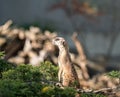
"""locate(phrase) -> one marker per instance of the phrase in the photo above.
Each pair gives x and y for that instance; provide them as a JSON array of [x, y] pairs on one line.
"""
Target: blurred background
[[97, 23]]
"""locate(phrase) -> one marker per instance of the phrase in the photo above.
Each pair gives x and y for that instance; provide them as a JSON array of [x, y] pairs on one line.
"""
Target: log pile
[[34, 46], [26, 46]]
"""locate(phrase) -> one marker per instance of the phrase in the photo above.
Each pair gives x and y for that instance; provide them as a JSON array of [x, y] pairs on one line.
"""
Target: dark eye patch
[[57, 39]]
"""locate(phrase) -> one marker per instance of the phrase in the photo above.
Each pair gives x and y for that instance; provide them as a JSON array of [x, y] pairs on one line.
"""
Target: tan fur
[[67, 74]]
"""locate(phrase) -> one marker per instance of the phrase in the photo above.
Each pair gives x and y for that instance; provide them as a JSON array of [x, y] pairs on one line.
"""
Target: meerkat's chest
[[65, 63]]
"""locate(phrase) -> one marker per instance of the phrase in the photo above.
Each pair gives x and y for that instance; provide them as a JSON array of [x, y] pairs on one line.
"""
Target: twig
[[105, 89]]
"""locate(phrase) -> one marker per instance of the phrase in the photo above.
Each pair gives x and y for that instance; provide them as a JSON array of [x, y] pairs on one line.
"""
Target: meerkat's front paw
[[59, 84]]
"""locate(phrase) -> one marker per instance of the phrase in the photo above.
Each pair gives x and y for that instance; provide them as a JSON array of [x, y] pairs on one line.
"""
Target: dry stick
[[83, 60], [79, 47], [105, 89]]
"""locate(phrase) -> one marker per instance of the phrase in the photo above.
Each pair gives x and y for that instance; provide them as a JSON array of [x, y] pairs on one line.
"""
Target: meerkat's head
[[60, 42]]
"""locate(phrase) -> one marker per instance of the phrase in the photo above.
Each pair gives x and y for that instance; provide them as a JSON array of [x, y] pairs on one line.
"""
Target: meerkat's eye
[[57, 39]]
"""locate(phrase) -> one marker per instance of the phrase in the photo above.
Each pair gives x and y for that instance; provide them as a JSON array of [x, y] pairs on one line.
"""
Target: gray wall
[[97, 31]]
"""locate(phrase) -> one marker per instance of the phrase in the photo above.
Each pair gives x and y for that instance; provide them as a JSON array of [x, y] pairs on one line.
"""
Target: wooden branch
[[79, 47], [105, 89], [83, 60]]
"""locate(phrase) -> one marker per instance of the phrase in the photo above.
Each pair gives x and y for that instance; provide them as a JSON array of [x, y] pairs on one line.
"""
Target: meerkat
[[67, 74]]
